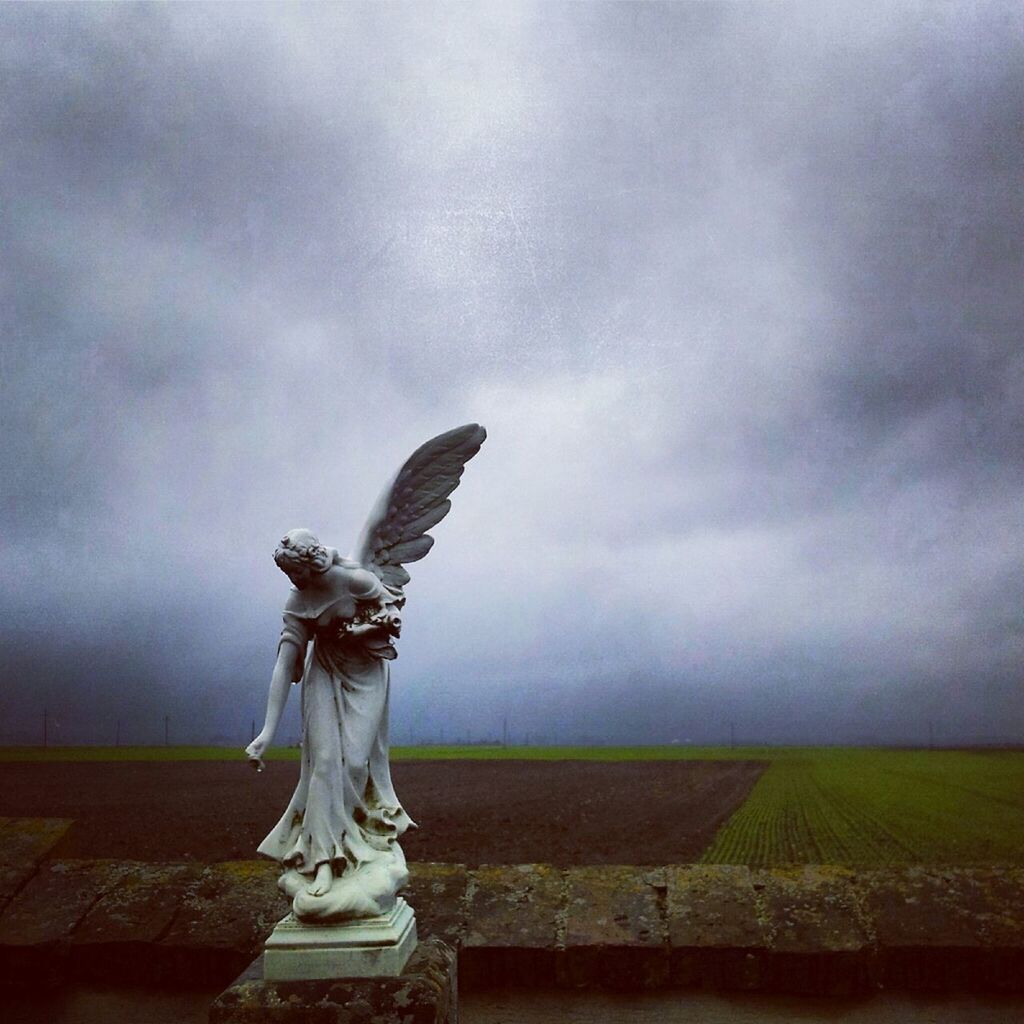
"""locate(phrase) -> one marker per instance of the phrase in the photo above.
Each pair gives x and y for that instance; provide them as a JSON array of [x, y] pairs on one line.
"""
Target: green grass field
[[874, 807], [825, 805]]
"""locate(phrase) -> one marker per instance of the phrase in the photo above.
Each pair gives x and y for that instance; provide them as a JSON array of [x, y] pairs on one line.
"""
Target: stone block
[[716, 935], [1001, 919], [426, 992], [222, 922], [818, 940], [615, 928], [437, 894], [362, 948], [37, 924], [117, 942], [947, 929], [512, 925], [24, 844]]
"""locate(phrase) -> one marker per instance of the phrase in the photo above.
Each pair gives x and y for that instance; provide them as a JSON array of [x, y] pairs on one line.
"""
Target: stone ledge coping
[[814, 929]]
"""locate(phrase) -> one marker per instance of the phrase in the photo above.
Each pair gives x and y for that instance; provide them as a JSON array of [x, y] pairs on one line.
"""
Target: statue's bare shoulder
[[341, 585]]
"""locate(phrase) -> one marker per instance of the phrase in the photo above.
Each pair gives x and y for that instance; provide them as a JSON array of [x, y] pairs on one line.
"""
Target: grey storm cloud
[[734, 287]]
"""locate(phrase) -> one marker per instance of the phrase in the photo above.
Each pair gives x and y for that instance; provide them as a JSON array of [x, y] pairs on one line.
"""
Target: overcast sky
[[736, 290]]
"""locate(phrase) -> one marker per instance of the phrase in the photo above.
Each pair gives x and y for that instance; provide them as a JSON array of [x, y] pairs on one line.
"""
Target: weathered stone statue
[[338, 838]]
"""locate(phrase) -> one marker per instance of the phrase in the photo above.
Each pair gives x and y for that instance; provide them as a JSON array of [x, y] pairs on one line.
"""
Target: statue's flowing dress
[[344, 809]]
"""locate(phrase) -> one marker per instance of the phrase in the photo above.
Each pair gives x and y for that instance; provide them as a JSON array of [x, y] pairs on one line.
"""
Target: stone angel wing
[[415, 501]]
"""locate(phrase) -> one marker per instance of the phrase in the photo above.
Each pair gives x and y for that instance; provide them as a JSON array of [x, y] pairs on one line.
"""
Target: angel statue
[[338, 839]]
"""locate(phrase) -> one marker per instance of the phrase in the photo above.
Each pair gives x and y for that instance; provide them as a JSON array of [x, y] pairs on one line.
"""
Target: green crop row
[[876, 807]]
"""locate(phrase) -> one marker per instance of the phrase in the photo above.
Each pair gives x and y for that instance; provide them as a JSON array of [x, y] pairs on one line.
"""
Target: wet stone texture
[[1001, 917], [437, 893], [615, 934], [513, 918], [426, 992], [119, 936], [24, 844], [36, 926], [949, 929], [818, 940], [716, 935], [222, 922]]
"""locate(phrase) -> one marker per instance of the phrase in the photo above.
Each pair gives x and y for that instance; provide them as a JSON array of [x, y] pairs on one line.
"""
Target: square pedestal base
[[426, 992], [372, 947]]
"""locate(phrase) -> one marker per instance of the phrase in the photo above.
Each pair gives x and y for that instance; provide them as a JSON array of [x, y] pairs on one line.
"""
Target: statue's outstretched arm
[[277, 697]]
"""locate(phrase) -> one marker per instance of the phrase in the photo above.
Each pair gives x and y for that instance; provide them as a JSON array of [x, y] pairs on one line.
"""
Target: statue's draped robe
[[344, 809]]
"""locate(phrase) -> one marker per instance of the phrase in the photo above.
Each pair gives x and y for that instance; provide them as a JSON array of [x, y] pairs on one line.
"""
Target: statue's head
[[301, 556]]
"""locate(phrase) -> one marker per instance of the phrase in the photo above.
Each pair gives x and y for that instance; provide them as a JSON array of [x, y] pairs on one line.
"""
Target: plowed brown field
[[474, 812]]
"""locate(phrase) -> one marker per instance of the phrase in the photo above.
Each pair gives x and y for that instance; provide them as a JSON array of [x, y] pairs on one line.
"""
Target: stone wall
[[810, 929]]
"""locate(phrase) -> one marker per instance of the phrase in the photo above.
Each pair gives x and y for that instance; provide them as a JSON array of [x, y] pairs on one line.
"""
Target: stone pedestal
[[372, 947], [426, 992]]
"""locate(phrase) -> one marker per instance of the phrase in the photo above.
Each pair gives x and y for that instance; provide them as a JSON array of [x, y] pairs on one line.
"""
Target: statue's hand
[[357, 629], [256, 750], [382, 619], [393, 622]]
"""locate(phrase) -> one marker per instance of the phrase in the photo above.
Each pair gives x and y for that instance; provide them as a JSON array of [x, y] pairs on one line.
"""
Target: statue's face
[[300, 575]]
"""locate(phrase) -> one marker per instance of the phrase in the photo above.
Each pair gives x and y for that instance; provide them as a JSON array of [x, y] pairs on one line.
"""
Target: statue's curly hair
[[300, 548]]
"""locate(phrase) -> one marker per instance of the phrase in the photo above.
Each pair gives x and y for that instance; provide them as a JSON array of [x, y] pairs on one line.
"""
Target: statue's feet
[[321, 884]]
